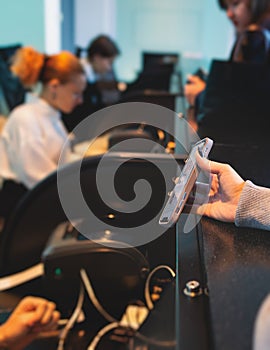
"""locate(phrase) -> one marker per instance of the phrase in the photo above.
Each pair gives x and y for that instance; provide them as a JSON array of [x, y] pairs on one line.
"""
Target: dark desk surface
[[232, 263], [237, 265], [237, 262]]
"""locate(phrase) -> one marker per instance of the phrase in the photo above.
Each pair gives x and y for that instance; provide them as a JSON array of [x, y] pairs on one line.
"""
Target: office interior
[[195, 285]]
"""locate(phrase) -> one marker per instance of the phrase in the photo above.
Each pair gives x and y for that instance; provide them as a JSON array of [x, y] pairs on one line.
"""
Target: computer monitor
[[159, 59]]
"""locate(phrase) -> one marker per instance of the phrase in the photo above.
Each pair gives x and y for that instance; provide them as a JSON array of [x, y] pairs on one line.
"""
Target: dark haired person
[[101, 54], [34, 135], [101, 89], [251, 20]]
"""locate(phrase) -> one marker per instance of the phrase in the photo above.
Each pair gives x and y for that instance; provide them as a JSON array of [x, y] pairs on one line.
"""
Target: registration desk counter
[[232, 268], [237, 263]]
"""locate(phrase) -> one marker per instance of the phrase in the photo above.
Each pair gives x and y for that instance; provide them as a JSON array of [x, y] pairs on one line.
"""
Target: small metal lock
[[193, 289]]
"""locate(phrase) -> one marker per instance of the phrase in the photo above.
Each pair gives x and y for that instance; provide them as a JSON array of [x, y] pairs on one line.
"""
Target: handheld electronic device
[[184, 184]]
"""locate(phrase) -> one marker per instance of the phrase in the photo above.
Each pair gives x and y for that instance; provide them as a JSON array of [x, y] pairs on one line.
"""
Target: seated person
[[98, 63], [34, 135], [32, 316], [251, 19], [16, 87], [98, 66]]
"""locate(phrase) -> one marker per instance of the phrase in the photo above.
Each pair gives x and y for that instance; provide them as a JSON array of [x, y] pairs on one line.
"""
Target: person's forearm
[[254, 207]]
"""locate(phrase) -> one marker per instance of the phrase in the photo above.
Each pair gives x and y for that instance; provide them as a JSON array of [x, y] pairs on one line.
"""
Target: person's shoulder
[[21, 110], [24, 114], [257, 32], [252, 45], [253, 34]]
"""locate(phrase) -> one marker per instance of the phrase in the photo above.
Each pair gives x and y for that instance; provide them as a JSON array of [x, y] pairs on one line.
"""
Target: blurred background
[[195, 29]]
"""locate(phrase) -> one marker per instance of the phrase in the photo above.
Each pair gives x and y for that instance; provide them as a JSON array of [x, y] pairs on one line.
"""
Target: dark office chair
[[12, 90], [40, 211], [79, 50], [34, 224], [161, 98], [158, 60], [6, 52], [157, 70], [153, 84], [117, 274]]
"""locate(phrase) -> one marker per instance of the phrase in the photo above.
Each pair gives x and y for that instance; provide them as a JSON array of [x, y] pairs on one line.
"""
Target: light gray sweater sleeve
[[254, 207]]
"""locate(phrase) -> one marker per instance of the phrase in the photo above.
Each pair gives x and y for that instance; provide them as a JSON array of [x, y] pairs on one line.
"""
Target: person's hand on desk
[[224, 195], [193, 88], [31, 317]]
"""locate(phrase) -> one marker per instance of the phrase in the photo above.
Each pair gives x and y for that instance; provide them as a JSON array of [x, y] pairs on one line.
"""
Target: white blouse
[[31, 143]]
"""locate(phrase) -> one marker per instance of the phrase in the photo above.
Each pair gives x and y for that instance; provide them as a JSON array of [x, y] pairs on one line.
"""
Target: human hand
[[193, 88], [32, 316], [224, 195]]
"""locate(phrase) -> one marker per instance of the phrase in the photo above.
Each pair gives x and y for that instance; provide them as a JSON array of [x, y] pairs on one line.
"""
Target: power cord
[[148, 300], [133, 317], [151, 341], [72, 320], [101, 333], [93, 298]]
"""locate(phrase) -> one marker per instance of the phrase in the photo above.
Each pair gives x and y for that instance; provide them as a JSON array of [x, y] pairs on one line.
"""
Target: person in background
[[98, 63], [16, 85], [34, 135], [251, 20], [98, 66], [24, 65], [32, 316]]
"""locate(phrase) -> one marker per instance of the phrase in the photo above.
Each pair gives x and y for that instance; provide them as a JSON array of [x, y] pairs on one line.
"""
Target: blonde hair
[[32, 66], [62, 66], [26, 65]]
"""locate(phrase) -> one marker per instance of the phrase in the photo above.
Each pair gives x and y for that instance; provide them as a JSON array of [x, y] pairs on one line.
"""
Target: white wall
[[92, 18], [31, 22], [52, 19], [197, 29], [22, 21], [218, 33]]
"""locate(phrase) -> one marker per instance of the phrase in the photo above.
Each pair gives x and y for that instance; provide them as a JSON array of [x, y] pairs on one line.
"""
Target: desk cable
[[148, 300], [126, 322], [21, 277], [74, 317]]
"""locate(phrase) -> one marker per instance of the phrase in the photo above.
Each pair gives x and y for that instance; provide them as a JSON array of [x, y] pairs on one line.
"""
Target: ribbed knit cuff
[[254, 207]]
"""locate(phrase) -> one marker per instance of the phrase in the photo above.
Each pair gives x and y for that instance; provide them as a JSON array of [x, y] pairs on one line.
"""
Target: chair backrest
[[12, 90], [152, 79], [40, 211], [79, 50], [156, 73], [159, 60], [6, 52]]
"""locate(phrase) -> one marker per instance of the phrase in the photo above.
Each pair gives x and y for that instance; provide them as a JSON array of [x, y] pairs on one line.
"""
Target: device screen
[[184, 184]]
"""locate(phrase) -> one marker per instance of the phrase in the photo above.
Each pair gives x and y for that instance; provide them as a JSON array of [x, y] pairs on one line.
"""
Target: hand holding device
[[184, 184]]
